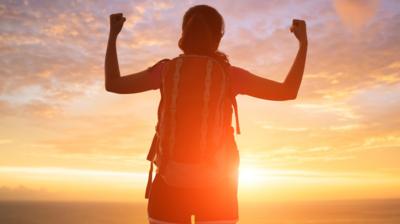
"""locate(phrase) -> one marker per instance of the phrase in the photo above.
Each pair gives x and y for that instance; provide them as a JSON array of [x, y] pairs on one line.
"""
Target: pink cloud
[[356, 13]]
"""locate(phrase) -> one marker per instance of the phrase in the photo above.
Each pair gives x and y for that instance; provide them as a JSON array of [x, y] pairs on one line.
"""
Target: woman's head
[[202, 30]]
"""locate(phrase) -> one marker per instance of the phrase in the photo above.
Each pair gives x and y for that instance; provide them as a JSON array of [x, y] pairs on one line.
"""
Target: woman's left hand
[[299, 29]]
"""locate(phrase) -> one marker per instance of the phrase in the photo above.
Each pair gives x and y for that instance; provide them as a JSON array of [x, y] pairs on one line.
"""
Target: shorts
[[168, 204]]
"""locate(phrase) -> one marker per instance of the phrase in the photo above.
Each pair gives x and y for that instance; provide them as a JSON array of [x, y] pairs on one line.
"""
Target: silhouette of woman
[[202, 30]]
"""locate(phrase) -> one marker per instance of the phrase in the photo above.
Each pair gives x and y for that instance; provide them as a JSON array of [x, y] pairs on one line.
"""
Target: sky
[[63, 137]]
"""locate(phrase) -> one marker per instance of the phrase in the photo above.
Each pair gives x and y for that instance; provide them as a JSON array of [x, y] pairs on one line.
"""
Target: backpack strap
[[235, 109], [206, 99], [149, 181], [175, 83], [234, 102], [151, 155]]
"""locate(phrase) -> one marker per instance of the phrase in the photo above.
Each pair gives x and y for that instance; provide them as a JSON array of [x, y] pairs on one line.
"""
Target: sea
[[310, 212]]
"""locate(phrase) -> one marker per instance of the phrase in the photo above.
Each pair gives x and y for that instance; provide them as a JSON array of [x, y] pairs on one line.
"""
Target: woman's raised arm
[[295, 75], [259, 87], [133, 83]]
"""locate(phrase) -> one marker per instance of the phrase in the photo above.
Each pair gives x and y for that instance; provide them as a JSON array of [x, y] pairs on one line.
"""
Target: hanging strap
[[235, 108], [150, 157], [149, 181]]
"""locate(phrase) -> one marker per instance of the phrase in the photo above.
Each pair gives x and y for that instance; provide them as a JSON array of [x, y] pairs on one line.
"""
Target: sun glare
[[251, 176]]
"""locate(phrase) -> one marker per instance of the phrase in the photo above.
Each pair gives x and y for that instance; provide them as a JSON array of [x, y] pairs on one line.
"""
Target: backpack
[[192, 147]]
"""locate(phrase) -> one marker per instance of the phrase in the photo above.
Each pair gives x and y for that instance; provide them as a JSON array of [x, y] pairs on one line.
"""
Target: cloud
[[378, 107], [5, 108], [24, 193], [5, 141], [356, 13], [33, 108], [70, 183], [289, 129]]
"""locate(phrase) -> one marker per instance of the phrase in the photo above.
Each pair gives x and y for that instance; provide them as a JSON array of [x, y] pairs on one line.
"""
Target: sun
[[251, 176]]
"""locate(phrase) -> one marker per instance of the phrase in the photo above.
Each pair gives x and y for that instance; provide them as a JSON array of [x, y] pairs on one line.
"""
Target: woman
[[202, 31]]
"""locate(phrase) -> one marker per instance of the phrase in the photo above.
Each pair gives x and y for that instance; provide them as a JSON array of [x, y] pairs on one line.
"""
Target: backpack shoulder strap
[[152, 153], [235, 109], [226, 67]]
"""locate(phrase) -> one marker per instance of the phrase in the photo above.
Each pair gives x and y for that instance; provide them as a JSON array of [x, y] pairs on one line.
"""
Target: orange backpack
[[191, 147]]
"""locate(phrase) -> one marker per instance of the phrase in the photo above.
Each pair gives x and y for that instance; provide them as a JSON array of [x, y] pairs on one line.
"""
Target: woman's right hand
[[299, 30], [116, 22]]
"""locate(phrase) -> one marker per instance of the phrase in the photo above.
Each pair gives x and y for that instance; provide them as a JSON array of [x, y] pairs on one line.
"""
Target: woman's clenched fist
[[116, 22], [300, 31]]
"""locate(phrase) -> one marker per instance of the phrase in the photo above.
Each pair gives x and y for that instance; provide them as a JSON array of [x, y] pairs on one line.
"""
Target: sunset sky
[[63, 137]]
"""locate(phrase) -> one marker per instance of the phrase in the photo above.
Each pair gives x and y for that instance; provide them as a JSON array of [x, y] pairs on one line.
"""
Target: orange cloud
[[356, 13]]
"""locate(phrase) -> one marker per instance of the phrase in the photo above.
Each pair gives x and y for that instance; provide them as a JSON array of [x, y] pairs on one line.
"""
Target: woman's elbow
[[290, 92], [108, 89], [111, 88], [293, 95], [290, 95]]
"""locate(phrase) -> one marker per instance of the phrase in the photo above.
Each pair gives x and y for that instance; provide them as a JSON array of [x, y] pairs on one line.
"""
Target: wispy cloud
[[356, 14]]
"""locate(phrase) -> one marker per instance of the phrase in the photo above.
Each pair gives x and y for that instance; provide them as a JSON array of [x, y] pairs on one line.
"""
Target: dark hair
[[202, 30]]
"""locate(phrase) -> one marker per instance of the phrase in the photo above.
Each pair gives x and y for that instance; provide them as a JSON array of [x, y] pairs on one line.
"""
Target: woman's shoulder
[[241, 79], [238, 74], [156, 69], [236, 70], [154, 73], [159, 64]]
